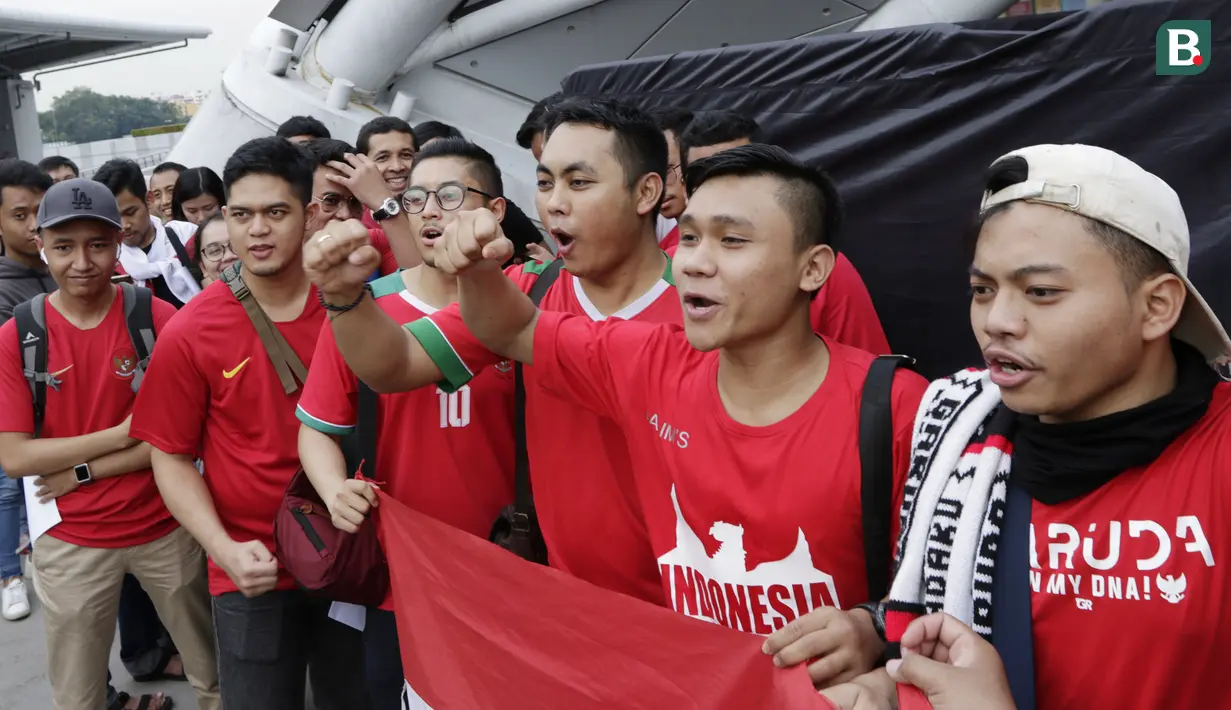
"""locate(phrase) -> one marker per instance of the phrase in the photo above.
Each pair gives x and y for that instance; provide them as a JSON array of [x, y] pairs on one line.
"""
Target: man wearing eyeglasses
[[344, 184], [672, 121], [446, 454]]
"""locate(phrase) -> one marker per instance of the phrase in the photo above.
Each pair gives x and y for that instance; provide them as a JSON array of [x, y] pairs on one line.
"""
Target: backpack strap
[[286, 363], [524, 519], [31, 317], [1012, 614], [139, 315], [181, 251], [876, 463]]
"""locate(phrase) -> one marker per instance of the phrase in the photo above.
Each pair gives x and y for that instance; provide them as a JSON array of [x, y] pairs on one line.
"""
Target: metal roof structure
[[33, 40]]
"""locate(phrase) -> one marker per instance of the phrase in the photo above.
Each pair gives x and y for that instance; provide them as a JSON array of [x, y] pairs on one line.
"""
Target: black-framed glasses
[[449, 196], [675, 173], [215, 251], [331, 203]]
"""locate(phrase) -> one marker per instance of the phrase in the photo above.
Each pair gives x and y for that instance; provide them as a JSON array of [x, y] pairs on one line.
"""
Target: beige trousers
[[80, 591]]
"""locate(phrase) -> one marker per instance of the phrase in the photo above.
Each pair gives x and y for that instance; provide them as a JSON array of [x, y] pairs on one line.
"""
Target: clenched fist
[[473, 237], [339, 259]]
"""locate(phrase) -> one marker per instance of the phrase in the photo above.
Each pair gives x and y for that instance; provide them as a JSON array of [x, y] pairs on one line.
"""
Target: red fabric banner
[[481, 628]]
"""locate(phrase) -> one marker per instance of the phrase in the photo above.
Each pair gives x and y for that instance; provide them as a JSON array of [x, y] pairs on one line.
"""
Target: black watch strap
[[876, 610]]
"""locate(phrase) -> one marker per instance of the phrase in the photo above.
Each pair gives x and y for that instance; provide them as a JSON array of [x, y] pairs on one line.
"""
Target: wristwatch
[[876, 610], [388, 208], [82, 472]]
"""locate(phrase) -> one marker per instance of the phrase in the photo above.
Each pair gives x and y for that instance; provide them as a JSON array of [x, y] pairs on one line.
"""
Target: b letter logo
[[1182, 48]]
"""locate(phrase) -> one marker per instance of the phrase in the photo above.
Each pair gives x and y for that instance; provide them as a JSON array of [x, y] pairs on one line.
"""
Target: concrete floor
[[23, 667]]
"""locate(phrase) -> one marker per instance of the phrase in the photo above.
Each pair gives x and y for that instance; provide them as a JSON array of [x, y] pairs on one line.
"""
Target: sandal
[[164, 703], [145, 702], [162, 674]]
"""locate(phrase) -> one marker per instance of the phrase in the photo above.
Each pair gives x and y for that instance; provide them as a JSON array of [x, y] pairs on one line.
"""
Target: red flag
[[482, 628]]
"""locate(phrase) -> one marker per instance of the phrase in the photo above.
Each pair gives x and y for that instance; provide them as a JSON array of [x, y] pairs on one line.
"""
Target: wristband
[[320, 296]]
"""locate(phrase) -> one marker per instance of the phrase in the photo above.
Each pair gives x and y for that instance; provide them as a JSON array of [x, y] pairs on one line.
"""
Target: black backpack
[[31, 318]]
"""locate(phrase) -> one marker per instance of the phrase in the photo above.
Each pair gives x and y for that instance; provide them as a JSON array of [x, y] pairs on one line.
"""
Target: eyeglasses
[[449, 196], [675, 173], [215, 251], [332, 203]]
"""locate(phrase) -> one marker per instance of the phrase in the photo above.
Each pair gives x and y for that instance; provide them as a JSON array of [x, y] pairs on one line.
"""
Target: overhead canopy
[[42, 39]]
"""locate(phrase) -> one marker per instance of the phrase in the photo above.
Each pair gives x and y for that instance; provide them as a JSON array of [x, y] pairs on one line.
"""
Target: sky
[[197, 67]]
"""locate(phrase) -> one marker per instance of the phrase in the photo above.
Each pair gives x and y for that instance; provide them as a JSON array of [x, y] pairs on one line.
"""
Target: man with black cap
[[69, 372]]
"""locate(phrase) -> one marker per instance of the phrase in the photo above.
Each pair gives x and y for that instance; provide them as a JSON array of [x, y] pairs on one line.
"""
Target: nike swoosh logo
[[231, 373], [61, 372]]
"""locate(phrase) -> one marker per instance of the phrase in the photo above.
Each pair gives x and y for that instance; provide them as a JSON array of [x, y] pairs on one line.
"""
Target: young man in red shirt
[[1094, 443], [843, 308], [349, 185], [113, 521], [600, 183], [214, 392], [446, 454], [751, 528], [390, 143]]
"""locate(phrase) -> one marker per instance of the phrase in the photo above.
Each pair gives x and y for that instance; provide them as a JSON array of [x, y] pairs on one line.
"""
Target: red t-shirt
[[584, 496], [752, 526], [213, 389], [447, 455], [388, 262], [95, 368], [1130, 605]]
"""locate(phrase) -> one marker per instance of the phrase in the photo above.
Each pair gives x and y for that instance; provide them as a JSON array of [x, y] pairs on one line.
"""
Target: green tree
[[82, 115]]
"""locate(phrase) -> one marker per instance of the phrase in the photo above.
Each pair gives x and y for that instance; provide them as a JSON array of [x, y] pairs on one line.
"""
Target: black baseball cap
[[79, 198]]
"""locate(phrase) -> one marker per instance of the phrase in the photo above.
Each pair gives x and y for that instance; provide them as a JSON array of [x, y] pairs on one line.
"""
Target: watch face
[[392, 207], [82, 473]]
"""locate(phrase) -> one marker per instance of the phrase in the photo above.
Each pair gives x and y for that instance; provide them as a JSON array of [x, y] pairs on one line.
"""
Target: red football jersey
[[213, 389], [752, 526], [671, 240], [583, 490], [1130, 605], [95, 368], [445, 454]]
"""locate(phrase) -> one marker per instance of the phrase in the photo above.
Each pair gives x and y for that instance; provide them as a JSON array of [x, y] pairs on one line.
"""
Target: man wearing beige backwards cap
[[1068, 501]]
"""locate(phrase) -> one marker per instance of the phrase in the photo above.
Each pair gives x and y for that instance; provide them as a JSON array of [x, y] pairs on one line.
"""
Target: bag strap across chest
[[286, 363]]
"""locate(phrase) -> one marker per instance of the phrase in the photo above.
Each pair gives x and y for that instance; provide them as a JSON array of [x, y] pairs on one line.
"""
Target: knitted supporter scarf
[[953, 505]]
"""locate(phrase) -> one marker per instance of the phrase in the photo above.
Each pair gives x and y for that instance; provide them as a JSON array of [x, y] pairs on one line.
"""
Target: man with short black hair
[[301, 129], [389, 142], [725, 417], [530, 135], [593, 527], [152, 253], [673, 121], [463, 438], [214, 391], [710, 132], [842, 308], [1087, 459], [66, 421], [162, 189], [59, 168]]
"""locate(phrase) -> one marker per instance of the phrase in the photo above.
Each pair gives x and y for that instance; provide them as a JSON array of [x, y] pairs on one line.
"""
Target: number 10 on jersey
[[454, 407]]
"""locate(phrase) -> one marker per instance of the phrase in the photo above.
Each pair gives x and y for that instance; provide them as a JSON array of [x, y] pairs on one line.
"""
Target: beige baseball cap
[[1106, 186]]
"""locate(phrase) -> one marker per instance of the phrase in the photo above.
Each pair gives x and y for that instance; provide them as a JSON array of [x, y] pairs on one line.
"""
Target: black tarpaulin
[[907, 121]]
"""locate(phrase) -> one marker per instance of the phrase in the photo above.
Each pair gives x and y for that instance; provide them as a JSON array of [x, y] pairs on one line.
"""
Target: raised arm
[[495, 310], [380, 352]]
